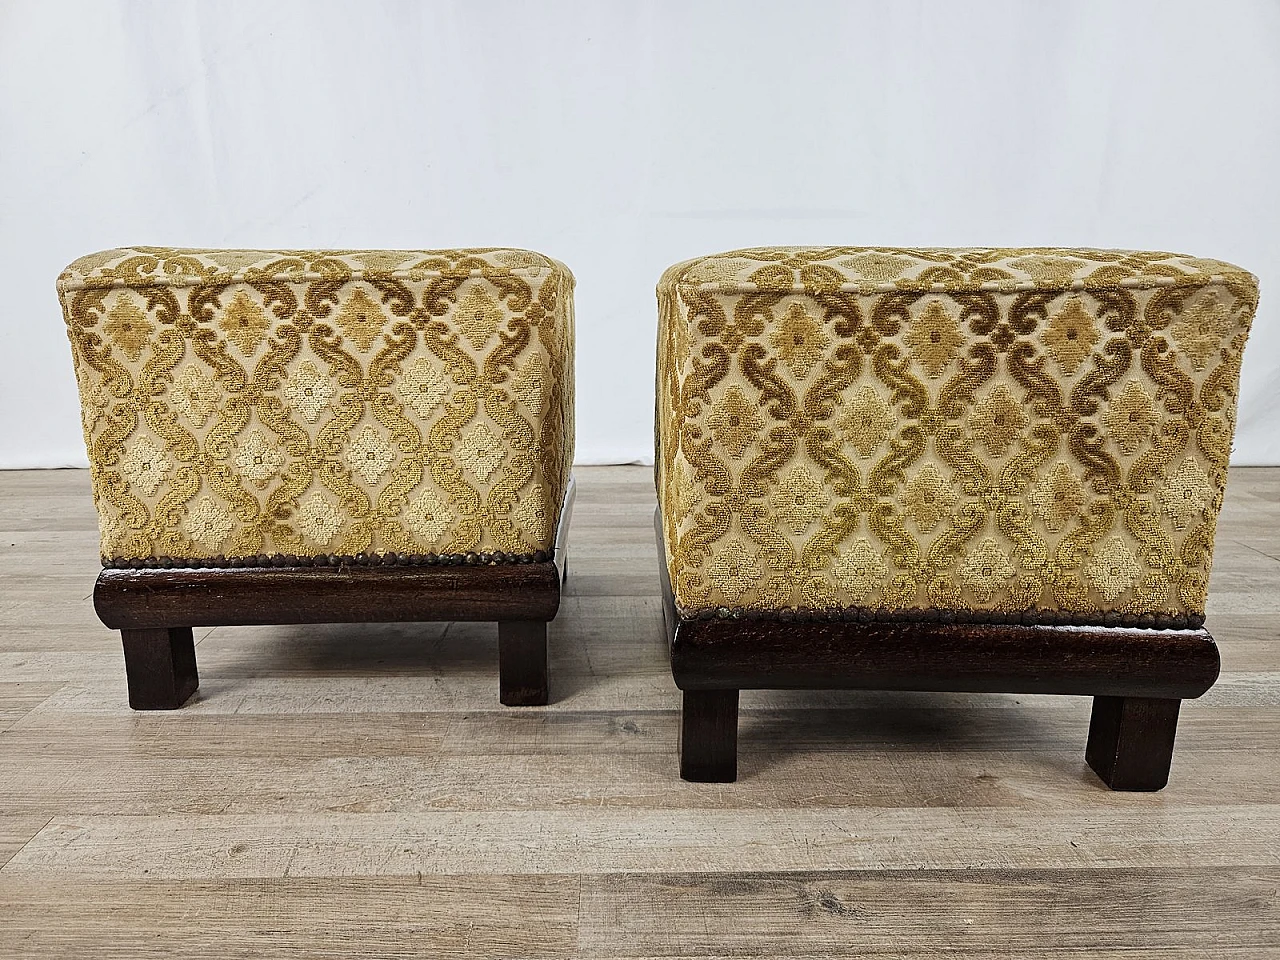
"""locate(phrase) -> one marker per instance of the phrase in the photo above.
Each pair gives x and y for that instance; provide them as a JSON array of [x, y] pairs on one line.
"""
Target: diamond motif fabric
[[947, 429], [247, 402]]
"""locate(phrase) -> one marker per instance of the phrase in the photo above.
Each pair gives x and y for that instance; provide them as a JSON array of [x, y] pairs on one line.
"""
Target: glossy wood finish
[[522, 663], [391, 594], [150, 605], [359, 791], [161, 667], [990, 658], [1127, 669], [1131, 741], [709, 736]]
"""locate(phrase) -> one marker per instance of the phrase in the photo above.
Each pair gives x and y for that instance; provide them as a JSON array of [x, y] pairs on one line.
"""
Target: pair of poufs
[[987, 470]]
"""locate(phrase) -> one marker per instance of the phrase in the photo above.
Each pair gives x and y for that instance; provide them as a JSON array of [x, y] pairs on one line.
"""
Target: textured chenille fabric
[[314, 403], [1025, 431]]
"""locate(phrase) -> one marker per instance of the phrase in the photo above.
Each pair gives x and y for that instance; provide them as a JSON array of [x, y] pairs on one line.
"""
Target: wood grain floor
[[357, 791]]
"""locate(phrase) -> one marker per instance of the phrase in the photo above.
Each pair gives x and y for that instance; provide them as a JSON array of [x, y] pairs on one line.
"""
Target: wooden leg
[[709, 736], [160, 665], [522, 662], [1131, 741]]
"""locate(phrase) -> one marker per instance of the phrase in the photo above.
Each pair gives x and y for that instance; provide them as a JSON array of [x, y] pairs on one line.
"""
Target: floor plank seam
[[13, 856]]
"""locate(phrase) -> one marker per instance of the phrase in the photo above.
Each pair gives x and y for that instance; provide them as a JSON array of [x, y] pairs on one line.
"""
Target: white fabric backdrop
[[621, 137]]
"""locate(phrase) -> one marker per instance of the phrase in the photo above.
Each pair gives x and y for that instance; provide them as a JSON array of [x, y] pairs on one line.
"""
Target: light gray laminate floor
[[344, 791]]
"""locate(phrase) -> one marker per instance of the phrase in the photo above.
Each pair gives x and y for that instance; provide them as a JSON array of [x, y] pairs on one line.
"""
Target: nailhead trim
[[263, 560], [1112, 618]]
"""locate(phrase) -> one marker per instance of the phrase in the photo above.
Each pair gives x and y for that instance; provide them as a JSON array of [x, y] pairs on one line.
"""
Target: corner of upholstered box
[[75, 274], [560, 267], [672, 275]]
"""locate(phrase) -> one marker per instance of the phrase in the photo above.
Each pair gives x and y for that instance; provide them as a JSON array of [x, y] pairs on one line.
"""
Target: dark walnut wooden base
[[1137, 676], [155, 608]]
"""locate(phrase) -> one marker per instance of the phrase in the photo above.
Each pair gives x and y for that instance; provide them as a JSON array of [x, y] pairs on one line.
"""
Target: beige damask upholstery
[[319, 403], [1032, 431]]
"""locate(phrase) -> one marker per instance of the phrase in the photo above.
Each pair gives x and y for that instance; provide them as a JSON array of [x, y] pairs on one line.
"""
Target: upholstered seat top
[[319, 403], [1036, 432], [178, 267], [878, 269]]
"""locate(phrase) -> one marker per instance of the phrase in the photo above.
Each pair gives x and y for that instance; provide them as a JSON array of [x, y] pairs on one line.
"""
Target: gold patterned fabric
[[1014, 431], [311, 403]]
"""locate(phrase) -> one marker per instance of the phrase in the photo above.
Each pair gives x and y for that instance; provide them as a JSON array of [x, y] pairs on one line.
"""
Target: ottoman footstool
[[952, 470], [324, 436]]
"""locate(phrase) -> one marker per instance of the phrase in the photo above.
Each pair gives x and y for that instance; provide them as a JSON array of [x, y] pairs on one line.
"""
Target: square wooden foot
[[1131, 741], [709, 736], [522, 662], [160, 665]]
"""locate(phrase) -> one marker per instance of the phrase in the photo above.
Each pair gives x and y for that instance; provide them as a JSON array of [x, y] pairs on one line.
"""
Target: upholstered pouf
[[324, 436], [971, 470]]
